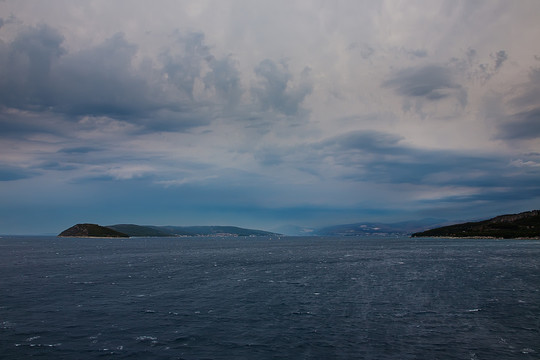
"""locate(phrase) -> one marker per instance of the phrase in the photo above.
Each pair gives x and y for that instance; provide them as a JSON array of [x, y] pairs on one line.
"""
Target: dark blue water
[[269, 298]]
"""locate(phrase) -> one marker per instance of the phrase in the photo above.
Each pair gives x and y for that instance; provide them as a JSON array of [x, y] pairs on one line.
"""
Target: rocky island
[[525, 225]]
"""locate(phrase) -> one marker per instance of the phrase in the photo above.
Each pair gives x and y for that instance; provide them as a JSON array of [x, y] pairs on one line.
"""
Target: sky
[[263, 113]]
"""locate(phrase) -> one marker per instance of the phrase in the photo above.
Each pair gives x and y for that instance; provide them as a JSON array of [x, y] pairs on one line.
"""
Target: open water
[[269, 298]]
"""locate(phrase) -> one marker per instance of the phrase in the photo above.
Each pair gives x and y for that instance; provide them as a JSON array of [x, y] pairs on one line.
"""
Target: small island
[[525, 225]]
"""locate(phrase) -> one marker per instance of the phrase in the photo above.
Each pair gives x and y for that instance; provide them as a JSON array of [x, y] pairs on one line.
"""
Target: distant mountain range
[[365, 228], [376, 228], [522, 225], [132, 230]]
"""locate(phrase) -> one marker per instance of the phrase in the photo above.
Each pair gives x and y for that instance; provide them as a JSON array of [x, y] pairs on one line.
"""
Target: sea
[[269, 298]]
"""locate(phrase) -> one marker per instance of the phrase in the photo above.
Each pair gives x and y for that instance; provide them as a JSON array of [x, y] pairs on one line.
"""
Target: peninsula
[[132, 230], [525, 225]]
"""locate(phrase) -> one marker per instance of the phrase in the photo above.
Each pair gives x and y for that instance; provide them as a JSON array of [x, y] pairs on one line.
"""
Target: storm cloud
[[524, 123], [40, 75], [431, 82], [276, 89]]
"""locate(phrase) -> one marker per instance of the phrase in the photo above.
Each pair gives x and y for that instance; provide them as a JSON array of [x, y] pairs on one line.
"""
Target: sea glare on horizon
[[269, 298]]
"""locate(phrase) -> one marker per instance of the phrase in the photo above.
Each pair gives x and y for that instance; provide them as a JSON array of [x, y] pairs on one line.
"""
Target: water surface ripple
[[269, 298]]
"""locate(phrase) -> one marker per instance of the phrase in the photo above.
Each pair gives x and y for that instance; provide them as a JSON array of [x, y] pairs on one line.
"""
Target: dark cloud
[[93, 179], [18, 124], [343, 149], [186, 63], [25, 68], [56, 166], [101, 81], [521, 126], [277, 89], [270, 157], [38, 75], [481, 71], [416, 53], [382, 158], [529, 93], [431, 82], [421, 167], [489, 197], [524, 123], [225, 79], [500, 57], [182, 119], [78, 150], [183, 63], [471, 55], [366, 141], [11, 173], [187, 87], [365, 50]]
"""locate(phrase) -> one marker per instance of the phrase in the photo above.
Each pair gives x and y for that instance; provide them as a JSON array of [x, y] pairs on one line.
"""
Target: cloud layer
[[200, 113]]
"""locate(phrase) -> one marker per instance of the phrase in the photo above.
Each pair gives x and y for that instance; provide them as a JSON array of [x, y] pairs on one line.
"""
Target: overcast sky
[[266, 113]]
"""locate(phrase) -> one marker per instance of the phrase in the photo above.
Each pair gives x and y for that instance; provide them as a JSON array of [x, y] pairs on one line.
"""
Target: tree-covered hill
[[91, 230], [522, 225]]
